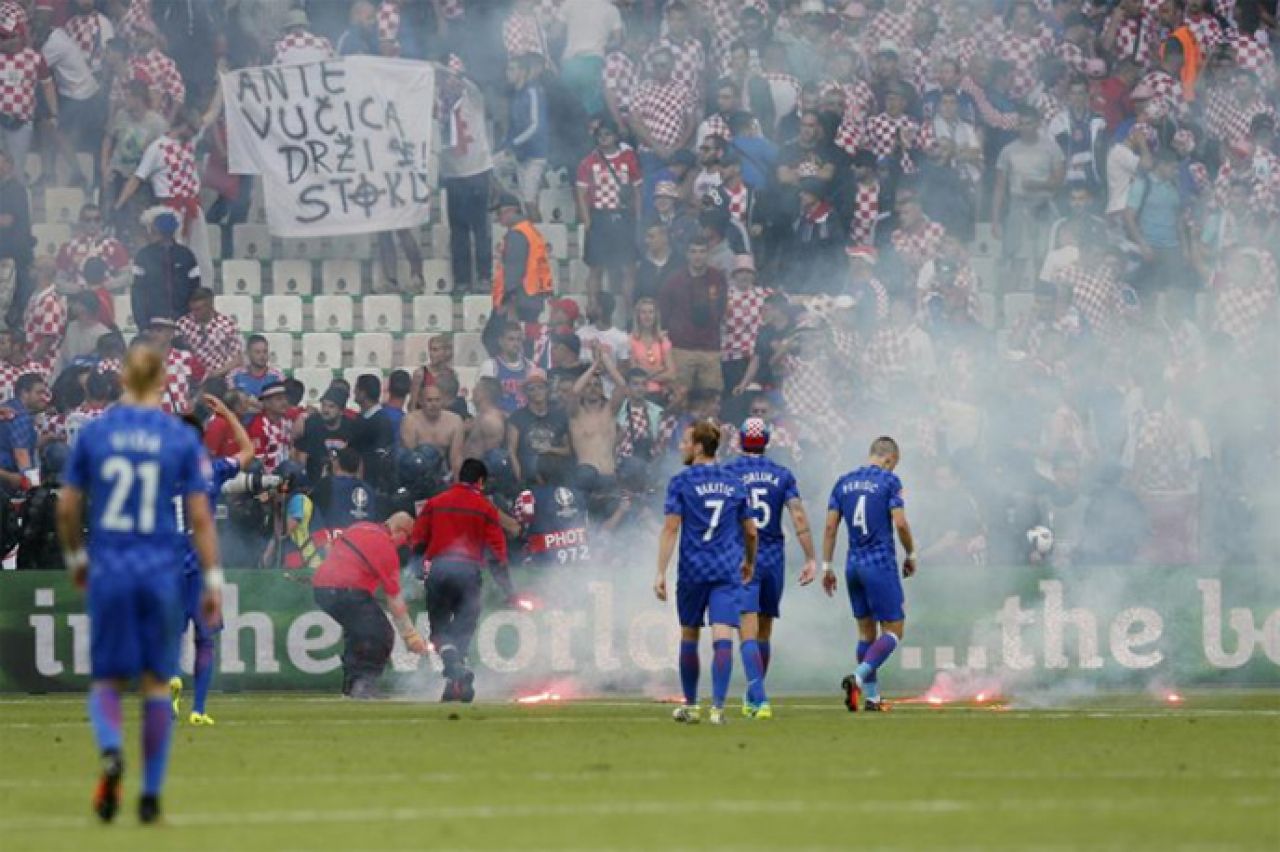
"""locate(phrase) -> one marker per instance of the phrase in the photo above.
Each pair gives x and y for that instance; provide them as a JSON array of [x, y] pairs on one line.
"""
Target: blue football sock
[[721, 670], [863, 647], [689, 670], [104, 715], [203, 673], [157, 730], [754, 669], [766, 652], [879, 651]]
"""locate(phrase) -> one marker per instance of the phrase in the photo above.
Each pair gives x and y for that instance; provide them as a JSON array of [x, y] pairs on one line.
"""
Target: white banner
[[343, 147]]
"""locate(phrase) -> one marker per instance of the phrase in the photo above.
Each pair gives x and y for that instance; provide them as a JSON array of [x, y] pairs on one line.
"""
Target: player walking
[[706, 505], [130, 465], [770, 488], [869, 500], [222, 470]]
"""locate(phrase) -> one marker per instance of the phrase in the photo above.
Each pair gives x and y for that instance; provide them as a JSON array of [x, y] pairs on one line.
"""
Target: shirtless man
[[431, 424], [439, 357], [592, 418], [488, 429]]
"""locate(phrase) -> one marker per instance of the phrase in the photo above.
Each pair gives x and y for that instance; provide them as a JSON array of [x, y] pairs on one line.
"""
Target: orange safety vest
[[537, 271], [1191, 61]]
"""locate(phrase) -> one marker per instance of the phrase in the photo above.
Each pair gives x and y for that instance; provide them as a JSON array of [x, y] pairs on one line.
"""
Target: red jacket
[[458, 527], [363, 557]]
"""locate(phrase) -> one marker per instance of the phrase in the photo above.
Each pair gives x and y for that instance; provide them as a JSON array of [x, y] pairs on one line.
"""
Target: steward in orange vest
[[524, 253]]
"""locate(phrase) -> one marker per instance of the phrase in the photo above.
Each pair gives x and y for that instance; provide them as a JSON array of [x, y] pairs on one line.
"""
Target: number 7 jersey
[[134, 464], [865, 499], [712, 504]]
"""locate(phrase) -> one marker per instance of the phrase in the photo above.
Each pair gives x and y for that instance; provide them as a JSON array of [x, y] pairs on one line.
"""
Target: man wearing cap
[[536, 429], [324, 433], [271, 430], [165, 273], [742, 316], [299, 44], [670, 210], [90, 241], [361, 561], [522, 280]]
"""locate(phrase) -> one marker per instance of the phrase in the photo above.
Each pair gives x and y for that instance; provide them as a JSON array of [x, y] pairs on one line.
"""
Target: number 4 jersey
[[712, 504], [132, 463], [865, 500]]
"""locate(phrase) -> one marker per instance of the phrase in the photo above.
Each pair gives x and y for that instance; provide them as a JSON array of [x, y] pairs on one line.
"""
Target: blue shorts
[[135, 615], [192, 590], [763, 594], [718, 599], [875, 588]]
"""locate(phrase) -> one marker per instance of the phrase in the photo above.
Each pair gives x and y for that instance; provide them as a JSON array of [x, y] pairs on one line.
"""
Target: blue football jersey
[[133, 463], [711, 504], [769, 487], [220, 471], [865, 500]]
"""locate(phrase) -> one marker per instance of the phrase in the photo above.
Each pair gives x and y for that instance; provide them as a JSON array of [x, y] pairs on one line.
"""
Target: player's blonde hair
[[143, 371], [706, 435]]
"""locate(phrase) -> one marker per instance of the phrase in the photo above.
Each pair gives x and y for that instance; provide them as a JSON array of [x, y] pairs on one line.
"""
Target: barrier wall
[[992, 628]]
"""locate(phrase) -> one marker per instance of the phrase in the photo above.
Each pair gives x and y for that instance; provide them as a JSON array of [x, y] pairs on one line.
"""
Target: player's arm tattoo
[[800, 519]]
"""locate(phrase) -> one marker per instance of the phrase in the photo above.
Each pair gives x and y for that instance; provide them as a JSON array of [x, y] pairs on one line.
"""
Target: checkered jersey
[[962, 50], [1023, 52], [215, 344], [888, 25], [1029, 330], [298, 47], [1253, 54], [1206, 30], [1134, 38], [741, 322], [13, 17], [885, 133], [389, 20], [739, 201], [79, 417], [1163, 459], [137, 16], [74, 253], [1225, 119], [90, 32], [859, 98], [1096, 294], [109, 365], [914, 248], [51, 426], [885, 358], [10, 373], [162, 73], [987, 111], [45, 316], [523, 35], [595, 176], [620, 76], [690, 61], [1167, 90], [179, 160], [272, 440], [866, 209], [711, 504], [19, 74], [182, 373], [664, 110], [1241, 307]]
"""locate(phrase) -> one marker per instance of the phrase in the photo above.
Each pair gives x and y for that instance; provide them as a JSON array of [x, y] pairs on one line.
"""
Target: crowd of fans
[[1035, 241]]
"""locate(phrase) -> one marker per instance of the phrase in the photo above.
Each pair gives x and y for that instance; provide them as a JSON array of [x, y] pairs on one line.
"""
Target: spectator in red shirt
[[693, 303], [361, 561]]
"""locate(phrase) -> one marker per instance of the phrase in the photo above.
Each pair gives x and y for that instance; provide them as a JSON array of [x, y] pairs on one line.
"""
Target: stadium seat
[[340, 276], [467, 377], [239, 306], [575, 280], [291, 276], [295, 248], [353, 246], [281, 313], [214, 234], [432, 313], [315, 381], [242, 276], [252, 241], [475, 312], [984, 242], [62, 204], [557, 205], [281, 348], [557, 237], [322, 349], [438, 275], [382, 313], [332, 313], [468, 350], [415, 350], [50, 237], [353, 373], [374, 349], [122, 305]]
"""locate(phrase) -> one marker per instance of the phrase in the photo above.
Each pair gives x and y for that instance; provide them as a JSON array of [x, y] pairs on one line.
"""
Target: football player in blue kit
[[770, 489], [869, 501]]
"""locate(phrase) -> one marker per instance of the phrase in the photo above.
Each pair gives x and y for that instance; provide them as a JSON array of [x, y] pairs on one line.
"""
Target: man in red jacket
[[361, 560], [457, 530]]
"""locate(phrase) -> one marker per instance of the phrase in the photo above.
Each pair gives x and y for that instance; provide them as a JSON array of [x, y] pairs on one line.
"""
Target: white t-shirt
[[617, 341], [588, 25], [1122, 168], [70, 69]]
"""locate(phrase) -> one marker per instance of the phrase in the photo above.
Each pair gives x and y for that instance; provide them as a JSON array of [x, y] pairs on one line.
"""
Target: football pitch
[[304, 772]]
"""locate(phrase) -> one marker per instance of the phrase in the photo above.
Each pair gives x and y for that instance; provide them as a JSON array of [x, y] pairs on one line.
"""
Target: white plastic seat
[[374, 349], [252, 241], [122, 305], [475, 312], [438, 276], [322, 349], [315, 380], [468, 350], [557, 237], [280, 346], [382, 313], [63, 203], [281, 312], [557, 205], [432, 313], [357, 246], [50, 237], [416, 350], [242, 277], [291, 276], [332, 313], [467, 378], [340, 276], [297, 248], [236, 305]]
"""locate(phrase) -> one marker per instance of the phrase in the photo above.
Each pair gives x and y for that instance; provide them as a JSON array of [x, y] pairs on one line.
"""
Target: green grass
[[305, 773]]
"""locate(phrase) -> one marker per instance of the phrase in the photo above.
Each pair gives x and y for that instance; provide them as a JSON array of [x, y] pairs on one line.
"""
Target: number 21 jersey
[[711, 504]]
